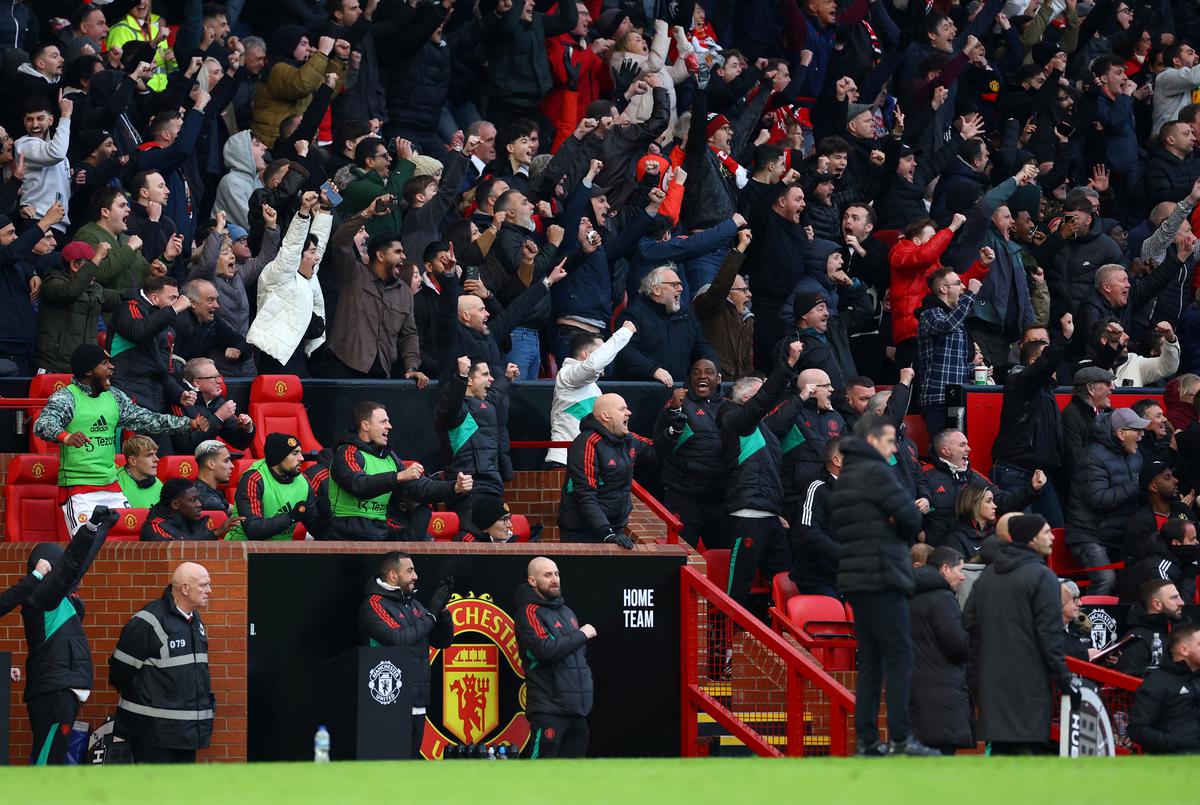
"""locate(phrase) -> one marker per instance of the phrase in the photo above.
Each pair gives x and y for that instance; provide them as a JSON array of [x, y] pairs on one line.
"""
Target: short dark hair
[[434, 248], [103, 199], [862, 381], [86, 11], [659, 226], [1168, 129], [159, 124], [1150, 342], [581, 341], [831, 449], [766, 153], [1171, 51], [936, 278], [1175, 530], [380, 242], [156, 284], [971, 149], [36, 103], [174, 489], [603, 107], [350, 129], [933, 21], [1142, 406], [1105, 63], [916, 227], [1150, 589], [362, 411], [521, 127], [506, 198], [1180, 634], [415, 186], [484, 188], [391, 561], [867, 208], [945, 555], [41, 48], [365, 150], [213, 10], [1188, 113], [475, 361], [872, 425], [1028, 72], [832, 145], [140, 181]]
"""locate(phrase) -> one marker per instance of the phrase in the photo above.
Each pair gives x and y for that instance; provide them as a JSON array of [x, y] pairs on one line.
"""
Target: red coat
[[565, 107], [911, 265]]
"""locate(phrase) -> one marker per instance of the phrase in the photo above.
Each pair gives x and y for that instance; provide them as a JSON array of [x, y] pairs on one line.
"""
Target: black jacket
[[1030, 436], [1077, 420], [183, 686], [211, 499], [804, 445], [1137, 654], [966, 537], [940, 705], [1169, 178], [393, 618], [750, 448], [693, 464], [1165, 718], [671, 341], [554, 651], [346, 470], [875, 519], [197, 339], [229, 431], [164, 525], [1014, 658], [1178, 564], [945, 484], [596, 498], [1104, 492], [815, 553], [473, 433], [462, 340], [141, 352], [59, 655]]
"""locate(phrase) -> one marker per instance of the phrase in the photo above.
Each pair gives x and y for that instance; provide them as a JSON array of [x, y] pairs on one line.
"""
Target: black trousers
[[144, 753], [702, 518], [758, 543], [1020, 748], [51, 716], [418, 735], [556, 736], [884, 652]]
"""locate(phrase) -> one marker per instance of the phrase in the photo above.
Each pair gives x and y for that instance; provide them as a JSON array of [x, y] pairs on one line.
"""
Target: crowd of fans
[[807, 199]]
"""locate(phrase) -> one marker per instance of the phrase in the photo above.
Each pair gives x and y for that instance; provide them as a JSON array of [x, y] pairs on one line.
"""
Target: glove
[[625, 75], [441, 596], [102, 515], [619, 539], [677, 419], [1075, 693], [297, 512]]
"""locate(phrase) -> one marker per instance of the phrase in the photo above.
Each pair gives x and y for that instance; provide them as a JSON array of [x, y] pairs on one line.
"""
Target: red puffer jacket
[[911, 263]]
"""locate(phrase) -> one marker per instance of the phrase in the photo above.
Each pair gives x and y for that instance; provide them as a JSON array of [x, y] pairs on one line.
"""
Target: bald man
[[160, 668], [803, 445], [596, 496], [557, 677]]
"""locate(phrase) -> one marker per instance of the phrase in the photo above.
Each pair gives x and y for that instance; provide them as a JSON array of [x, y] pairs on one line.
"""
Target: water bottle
[[1156, 652], [491, 753], [321, 745], [502, 753]]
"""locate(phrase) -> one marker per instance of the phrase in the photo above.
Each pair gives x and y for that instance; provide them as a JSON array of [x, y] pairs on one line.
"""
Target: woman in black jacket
[[976, 521], [940, 705]]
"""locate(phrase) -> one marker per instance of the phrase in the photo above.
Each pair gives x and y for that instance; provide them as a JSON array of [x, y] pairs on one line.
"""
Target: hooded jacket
[[288, 87], [1138, 654], [875, 520], [166, 525], [473, 433], [1165, 717], [911, 263], [241, 179], [554, 653], [1014, 658], [1104, 491], [940, 704], [596, 498], [395, 618]]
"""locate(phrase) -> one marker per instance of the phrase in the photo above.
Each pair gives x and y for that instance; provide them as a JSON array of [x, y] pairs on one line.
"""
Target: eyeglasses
[[209, 377], [383, 155], [673, 284]]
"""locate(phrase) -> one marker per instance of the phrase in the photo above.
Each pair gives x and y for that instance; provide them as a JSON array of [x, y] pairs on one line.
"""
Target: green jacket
[[68, 308], [123, 269], [368, 186]]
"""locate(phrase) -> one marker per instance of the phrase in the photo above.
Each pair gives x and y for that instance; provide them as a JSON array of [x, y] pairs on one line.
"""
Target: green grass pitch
[[749, 780]]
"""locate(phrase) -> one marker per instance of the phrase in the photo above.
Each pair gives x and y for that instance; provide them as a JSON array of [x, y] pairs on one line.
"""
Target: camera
[[593, 237]]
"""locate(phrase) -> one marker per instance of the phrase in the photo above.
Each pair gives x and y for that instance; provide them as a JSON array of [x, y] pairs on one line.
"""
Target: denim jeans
[[1093, 554], [1014, 479], [526, 353]]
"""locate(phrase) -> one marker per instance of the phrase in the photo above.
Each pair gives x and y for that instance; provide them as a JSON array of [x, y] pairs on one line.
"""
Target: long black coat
[[875, 519], [1014, 618], [939, 706]]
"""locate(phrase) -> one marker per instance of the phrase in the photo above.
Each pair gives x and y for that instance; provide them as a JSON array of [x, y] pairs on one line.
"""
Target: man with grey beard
[[668, 339]]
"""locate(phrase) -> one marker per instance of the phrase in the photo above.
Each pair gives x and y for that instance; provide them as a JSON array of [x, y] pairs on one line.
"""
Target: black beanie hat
[[487, 510], [1024, 527], [278, 446], [87, 357], [804, 302]]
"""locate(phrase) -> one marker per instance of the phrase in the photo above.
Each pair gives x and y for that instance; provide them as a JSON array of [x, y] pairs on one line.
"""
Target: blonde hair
[[137, 444]]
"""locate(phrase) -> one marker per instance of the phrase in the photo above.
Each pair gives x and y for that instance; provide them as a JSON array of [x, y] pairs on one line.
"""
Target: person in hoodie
[[391, 615], [179, 515], [297, 70], [1157, 613], [1165, 717], [58, 667], [575, 389], [367, 481], [47, 169], [1171, 554], [1014, 659], [245, 161], [940, 701], [558, 679], [40, 77]]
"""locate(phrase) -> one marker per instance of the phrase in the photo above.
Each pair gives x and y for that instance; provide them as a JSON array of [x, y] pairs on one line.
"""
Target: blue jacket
[[1121, 144], [178, 169], [652, 253]]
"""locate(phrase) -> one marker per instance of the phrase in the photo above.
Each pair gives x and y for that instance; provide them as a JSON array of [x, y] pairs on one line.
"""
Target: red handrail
[[23, 402], [673, 523], [801, 671], [1103, 675]]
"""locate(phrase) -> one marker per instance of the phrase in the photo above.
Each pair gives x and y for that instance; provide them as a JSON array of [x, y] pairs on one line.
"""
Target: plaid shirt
[[943, 357]]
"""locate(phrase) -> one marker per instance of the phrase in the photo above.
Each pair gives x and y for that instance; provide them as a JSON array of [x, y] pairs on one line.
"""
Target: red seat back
[[43, 386], [805, 609], [916, 429], [276, 406], [31, 510], [520, 527], [888, 237], [1099, 600], [1062, 561], [177, 467], [216, 518], [716, 567], [783, 589], [443, 526], [129, 525], [240, 465]]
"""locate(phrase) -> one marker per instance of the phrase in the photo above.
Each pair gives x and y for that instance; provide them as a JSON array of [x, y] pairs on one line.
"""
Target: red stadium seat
[[520, 527], [43, 386], [782, 590], [216, 518], [176, 467], [916, 429], [1099, 600], [240, 465], [888, 237], [276, 407], [1062, 561], [31, 510], [443, 526], [129, 525], [716, 567], [825, 613]]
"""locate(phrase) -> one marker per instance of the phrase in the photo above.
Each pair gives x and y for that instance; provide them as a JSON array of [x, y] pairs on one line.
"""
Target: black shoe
[[914, 748], [872, 749]]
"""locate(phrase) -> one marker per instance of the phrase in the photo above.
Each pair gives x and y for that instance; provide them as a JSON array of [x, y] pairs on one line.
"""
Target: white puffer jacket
[[286, 300]]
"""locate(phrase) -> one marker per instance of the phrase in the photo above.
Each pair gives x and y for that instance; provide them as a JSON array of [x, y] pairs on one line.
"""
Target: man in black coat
[[1014, 658], [141, 344], [876, 520], [200, 332], [236, 430], [941, 705], [1165, 718], [668, 339], [775, 263], [58, 670], [815, 552], [390, 615], [557, 676], [1158, 612]]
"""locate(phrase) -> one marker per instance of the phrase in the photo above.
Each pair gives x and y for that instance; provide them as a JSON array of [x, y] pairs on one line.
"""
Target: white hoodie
[[47, 171], [575, 391]]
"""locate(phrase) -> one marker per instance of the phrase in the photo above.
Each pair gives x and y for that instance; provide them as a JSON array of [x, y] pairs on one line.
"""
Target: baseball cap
[[1126, 418]]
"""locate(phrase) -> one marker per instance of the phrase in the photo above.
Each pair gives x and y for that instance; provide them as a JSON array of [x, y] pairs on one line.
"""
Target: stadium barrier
[[767, 694], [1116, 691]]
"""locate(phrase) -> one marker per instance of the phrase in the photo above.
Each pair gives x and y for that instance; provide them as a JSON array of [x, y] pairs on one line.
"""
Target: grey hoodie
[[233, 193]]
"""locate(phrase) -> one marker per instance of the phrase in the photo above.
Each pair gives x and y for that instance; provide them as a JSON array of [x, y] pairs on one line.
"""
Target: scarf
[[731, 169]]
